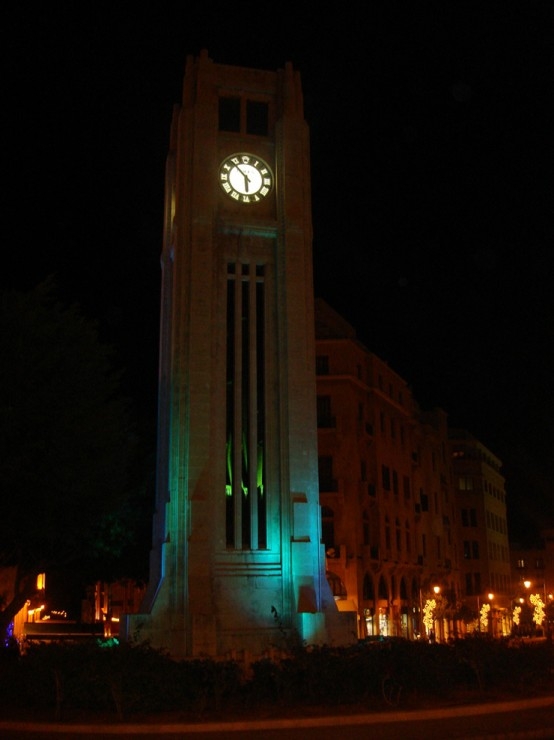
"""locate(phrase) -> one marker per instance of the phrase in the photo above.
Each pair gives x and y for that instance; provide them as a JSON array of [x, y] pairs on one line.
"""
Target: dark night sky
[[432, 169]]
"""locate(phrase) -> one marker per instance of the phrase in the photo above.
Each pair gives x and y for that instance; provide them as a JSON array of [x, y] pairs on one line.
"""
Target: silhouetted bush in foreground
[[133, 680]]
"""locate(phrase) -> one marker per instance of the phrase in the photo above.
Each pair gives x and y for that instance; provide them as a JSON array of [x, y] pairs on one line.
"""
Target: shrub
[[130, 680]]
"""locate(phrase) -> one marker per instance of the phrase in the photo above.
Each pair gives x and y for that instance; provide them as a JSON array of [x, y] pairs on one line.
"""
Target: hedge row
[[130, 680]]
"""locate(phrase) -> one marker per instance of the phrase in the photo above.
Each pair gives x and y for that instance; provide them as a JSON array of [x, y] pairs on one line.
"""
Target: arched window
[[368, 588], [383, 590]]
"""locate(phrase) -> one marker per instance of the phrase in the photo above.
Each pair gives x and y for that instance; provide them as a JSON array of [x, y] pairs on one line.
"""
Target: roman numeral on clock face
[[245, 178]]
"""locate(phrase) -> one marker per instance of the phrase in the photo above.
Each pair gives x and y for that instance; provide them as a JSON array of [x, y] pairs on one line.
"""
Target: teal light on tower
[[237, 562]]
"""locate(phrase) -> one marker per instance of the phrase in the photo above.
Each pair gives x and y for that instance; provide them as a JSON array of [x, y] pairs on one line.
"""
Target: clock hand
[[246, 178]]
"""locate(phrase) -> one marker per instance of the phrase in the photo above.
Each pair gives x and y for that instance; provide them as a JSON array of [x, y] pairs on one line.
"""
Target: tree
[[66, 437]]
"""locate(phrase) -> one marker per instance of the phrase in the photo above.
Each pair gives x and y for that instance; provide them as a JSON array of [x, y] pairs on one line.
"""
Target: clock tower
[[237, 563]]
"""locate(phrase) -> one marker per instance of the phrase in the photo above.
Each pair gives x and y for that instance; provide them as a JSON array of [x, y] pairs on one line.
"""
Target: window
[[328, 529], [473, 584], [240, 115], [395, 482], [471, 550], [246, 485], [465, 483], [368, 589], [322, 365], [325, 419], [325, 469], [385, 474], [406, 485]]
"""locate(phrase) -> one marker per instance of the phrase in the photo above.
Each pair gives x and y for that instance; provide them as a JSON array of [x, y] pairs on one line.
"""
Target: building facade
[[481, 496], [389, 519], [532, 585]]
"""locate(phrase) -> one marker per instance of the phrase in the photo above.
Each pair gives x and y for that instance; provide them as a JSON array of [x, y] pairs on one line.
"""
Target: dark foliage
[[69, 460], [136, 680]]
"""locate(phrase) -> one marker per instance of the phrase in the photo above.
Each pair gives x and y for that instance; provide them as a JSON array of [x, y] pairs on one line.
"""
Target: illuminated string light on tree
[[515, 616], [428, 614], [538, 614], [484, 617]]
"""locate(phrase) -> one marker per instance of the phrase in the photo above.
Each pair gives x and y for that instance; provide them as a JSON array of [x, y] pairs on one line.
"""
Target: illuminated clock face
[[245, 178]]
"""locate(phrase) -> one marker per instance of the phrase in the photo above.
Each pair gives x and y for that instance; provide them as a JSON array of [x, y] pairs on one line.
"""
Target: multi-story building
[[388, 515], [436, 518], [533, 576], [481, 500]]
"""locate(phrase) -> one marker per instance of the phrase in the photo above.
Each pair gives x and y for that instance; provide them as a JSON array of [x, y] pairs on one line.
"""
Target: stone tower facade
[[237, 562]]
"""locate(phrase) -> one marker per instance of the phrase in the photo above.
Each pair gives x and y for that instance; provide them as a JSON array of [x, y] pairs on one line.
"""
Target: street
[[531, 718]]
